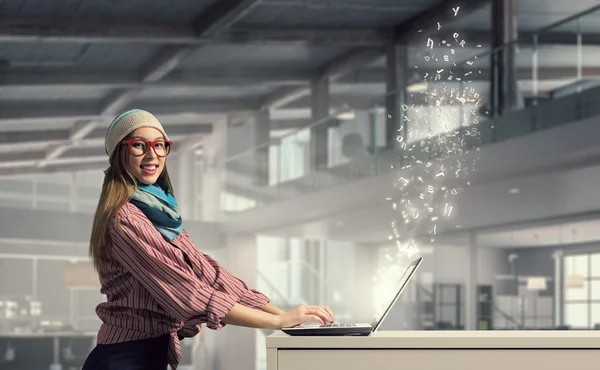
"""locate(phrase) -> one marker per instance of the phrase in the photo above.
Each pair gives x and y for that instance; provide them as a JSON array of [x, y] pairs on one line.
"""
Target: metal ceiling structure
[[67, 68]]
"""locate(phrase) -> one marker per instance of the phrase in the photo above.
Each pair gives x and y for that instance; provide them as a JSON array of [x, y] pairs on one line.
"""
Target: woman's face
[[143, 159]]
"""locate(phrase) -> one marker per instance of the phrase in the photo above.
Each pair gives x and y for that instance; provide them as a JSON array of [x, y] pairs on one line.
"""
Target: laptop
[[360, 328]]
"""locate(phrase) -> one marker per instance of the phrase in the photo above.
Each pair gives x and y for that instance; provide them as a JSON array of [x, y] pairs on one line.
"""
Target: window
[[595, 265], [577, 294], [595, 314], [594, 287], [576, 315], [582, 303], [274, 164], [289, 160], [577, 265]]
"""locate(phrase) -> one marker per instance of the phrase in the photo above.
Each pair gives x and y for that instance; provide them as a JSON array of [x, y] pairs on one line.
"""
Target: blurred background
[[320, 146]]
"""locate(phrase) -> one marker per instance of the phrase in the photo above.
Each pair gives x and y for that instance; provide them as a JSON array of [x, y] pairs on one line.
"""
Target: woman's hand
[[302, 314]]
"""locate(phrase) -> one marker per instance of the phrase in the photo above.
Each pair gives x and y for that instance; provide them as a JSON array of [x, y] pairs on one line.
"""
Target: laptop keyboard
[[334, 325]]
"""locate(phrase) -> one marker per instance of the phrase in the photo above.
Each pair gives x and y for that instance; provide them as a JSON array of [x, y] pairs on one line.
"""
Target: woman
[[159, 287]]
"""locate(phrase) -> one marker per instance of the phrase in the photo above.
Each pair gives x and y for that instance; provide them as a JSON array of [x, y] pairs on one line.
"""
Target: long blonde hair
[[118, 187]]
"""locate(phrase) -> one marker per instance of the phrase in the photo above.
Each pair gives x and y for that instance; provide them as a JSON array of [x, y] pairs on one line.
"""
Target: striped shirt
[[151, 289]]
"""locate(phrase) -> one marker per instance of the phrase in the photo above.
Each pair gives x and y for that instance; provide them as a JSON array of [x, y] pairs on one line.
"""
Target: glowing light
[[443, 127]]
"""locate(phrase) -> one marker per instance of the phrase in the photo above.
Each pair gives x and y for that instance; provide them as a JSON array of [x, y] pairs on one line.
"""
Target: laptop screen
[[395, 294]]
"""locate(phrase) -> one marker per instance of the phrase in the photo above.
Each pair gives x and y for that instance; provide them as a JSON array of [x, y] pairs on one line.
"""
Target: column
[[213, 172], [471, 283], [73, 193], [295, 247], [185, 186], [237, 345], [365, 270], [504, 91], [261, 138], [313, 280], [396, 81], [559, 258], [319, 101], [34, 279]]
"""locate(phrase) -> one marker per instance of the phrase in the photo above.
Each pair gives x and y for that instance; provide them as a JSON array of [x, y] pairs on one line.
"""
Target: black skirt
[[145, 354]]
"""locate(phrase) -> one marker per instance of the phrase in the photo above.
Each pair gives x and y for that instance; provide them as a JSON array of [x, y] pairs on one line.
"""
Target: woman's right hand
[[302, 314]]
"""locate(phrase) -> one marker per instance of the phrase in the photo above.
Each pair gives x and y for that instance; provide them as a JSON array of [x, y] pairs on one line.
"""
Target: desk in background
[[435, 350]]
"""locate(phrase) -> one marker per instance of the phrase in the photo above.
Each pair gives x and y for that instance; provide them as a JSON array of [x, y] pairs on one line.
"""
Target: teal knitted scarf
[[159, 205]]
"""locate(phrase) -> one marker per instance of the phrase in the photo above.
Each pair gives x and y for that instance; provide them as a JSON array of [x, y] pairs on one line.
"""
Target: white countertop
[[542, 339]]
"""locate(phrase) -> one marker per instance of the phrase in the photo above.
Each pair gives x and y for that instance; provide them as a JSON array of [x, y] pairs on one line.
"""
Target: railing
[[445, 111], [424, 290], [426, 308], [325, 294], [271, 290], [306, 286], [508, 317], [29, 194], [498, 312]]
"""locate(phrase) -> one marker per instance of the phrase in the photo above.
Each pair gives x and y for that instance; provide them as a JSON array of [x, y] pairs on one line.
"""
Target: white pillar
[[262, 135], [471, 284], [185, 185], [365, 270], [241, 261], [295, 270], [34, 278], [213, 175], [396, 81], [558, 284], [319, 134]]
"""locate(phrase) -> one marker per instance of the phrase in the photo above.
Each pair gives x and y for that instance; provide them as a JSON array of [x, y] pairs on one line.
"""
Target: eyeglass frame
[[150, 144]]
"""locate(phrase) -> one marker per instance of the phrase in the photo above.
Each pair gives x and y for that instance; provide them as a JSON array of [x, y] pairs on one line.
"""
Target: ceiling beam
[[18, 29], [212, 21], [129, 79], [30, 30], [85, 155], [288, 95], [427, 21], [20, 171], [21, 137], [58, 135], [178, 110], [311, 36], [525, 39], [161, 65], [332, 71], [283, 96], [365, 103], [34, 111], [222, 15], [347, 63], [359, 57], [37, 155], [290, 82], [214, 26], [77, 159]]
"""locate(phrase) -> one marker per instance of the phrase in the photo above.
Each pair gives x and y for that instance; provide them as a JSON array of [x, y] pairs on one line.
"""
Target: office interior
[[319, 146]]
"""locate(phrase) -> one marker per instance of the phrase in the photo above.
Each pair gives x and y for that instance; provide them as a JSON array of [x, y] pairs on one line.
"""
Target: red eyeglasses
[[139, 147]]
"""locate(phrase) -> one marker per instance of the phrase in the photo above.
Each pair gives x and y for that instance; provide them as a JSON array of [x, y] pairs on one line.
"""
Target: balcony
[[445, 114]]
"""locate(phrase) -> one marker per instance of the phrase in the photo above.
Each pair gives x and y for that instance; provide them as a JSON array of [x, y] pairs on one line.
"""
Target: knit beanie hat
[[126, 123]]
